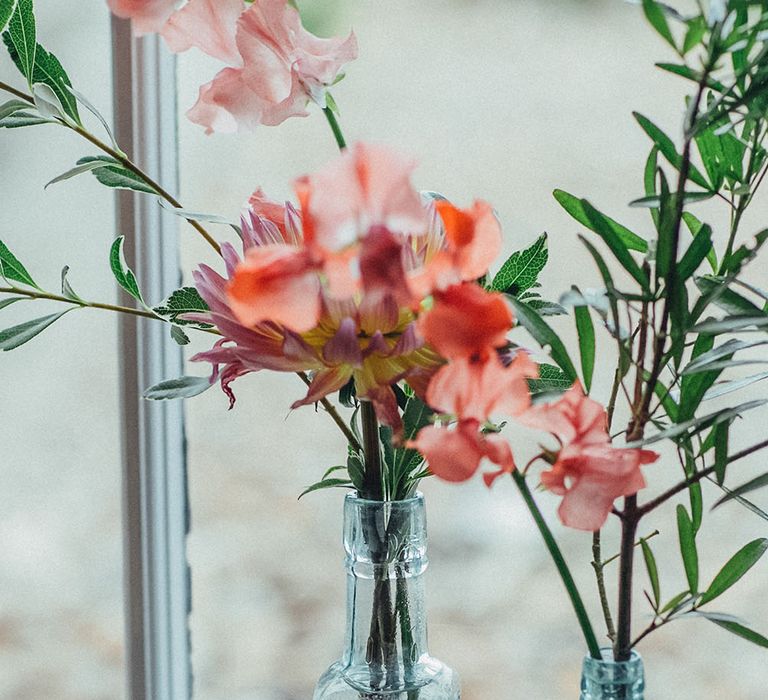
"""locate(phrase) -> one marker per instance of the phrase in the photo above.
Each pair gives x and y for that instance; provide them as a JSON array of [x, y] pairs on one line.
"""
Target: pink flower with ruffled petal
[[208, 25], [147, 16], [588, 471], [280, 67]]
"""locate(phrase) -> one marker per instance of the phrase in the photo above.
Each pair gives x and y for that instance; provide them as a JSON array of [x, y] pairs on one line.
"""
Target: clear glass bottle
[[385, 653], [607, 679]]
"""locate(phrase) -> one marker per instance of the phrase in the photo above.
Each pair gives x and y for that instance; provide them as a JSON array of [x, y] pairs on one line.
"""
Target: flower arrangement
[[383, 297]]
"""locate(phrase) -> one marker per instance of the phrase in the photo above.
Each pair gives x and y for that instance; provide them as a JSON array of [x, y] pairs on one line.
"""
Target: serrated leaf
[[687, 539], [653, 571], [551, 379], [181, 388], [182, 301], [123, 274], [573, 205], [758, 482], [522, 268], [12, 269], [14, 337], [668, 150], [544, 336], [20, 38], [179, 336], [6, 11], [326, 484], [734, 569]]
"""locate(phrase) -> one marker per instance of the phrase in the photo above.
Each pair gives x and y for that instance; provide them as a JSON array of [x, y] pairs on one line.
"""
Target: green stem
[[335, 128], [126, 162], [562, 566]]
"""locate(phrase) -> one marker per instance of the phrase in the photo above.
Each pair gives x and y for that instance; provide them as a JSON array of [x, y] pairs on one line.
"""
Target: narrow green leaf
[[181, 388], [551, 379], [649, 180], [721, 450], [114, 175], [66, 288], [13, 106], [77, 170], [653, 572], [690, 74], [619, 249], [727, 349], [731, 324], [735, 568], [758, 482], [728, 300], [656, 201], [521, 270], [694, 386], [20, 38], [723, 388], [12, 269], [6, 11], [11, 300], [21, 118], [49, 71], [697, 28], [697, 505], [123, 274], [688, 550], [741, 631], [700, 248], [12, 338], [668, 149], [586, 333], [695, 226], [326, 484], [573, 205], [675, 601], [83, 100], [544, 335], [655, 15]]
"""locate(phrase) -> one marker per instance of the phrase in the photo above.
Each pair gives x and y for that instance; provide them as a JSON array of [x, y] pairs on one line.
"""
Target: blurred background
[[502, 100]]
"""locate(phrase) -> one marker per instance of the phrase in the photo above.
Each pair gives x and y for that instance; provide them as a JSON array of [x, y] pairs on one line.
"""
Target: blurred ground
[[499, 100]]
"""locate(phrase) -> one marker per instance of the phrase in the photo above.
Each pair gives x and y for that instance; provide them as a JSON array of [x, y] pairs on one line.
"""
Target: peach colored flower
[[588, 471], [466, 320], [455, 454], [147, 16], [278, 68]]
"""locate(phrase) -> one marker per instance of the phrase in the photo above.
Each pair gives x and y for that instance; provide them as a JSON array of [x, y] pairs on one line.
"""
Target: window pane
[[61, 626], [497, 100]]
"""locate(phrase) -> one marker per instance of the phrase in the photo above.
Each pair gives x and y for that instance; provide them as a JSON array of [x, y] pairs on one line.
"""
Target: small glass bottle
[[606, 679], [385, 653]]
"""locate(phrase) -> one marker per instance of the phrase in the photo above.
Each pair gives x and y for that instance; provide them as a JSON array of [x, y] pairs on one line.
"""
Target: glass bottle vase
[[385, 652], [606, 679]]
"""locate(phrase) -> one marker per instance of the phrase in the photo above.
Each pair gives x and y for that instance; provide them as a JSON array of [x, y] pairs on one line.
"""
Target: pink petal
[[209, 25], [325, 382], [148, 16]]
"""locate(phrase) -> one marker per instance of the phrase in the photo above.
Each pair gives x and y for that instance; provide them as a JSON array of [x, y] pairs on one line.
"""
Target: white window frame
[[155, 501]]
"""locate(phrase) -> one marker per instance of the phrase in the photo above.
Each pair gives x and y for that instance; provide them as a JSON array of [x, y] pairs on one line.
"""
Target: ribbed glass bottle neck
[[606, 679]]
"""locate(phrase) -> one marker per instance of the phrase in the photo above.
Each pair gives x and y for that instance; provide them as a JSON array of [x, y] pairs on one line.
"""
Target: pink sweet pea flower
[[588, 471], [147, 16], [280, 66], [455, 455]]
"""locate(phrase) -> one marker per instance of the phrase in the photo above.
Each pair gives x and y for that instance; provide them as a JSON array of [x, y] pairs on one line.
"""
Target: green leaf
[[573, 205], [721, 450], [179, 336], [6, 11], [655, 202], [695, 226], [690, 74], [114, 175], [668, 149], [688, 550], [49, 71], [740, 631], [655, 15], [697, 505], [13, 106], [586, 333], [123, 274], [727, 349], [694, 386], [653, 571], [521, 270], [698, 250], [602, 227], [12, 338], [12, 269], [544, 335], [326, 484], [551, 379], [66, 288], [734, 569], [11, 300], [182, 301], [77, 170], [730, 324], [729, 301], [752, 485], [83, 100], [649, 180], [675, 601], [20, 38], [20, 119], [697, 28], [181, 388], [723, 388]]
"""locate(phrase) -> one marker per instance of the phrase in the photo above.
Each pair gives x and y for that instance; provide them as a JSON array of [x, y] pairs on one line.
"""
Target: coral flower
[[588, 472], [278, 68]]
